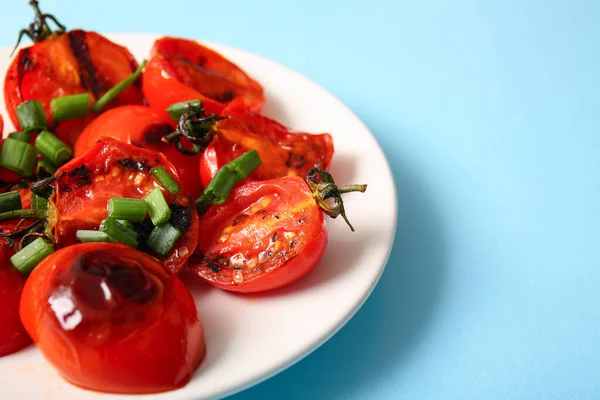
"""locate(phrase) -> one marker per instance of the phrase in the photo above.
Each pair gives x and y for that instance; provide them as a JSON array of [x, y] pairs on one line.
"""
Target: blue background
[[489, 115]]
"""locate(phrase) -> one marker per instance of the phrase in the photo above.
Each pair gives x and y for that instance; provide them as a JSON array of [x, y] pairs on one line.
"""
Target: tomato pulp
[[113, 319], [266, 235], [65, 64]]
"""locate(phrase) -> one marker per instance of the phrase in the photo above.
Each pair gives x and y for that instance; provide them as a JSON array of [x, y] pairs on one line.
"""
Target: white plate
[[252, 338]]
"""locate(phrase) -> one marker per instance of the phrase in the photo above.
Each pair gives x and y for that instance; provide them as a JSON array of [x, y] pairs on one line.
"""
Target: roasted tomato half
[[283, 152], [113, 319], [266, 235], [143, 127], [112, 168], [182, 70], [69, 63], [13, 336]]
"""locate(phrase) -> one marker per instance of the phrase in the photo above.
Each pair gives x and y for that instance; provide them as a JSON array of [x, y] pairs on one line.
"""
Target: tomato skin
[[13, 336], [283, 152], [75, 62], [182, 69], [272, 231], [143, 127], [112, 319], [112, 168]]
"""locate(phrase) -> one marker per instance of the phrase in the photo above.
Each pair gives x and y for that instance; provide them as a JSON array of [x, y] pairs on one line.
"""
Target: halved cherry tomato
[[283, 152], [70, 63], [112, 168], [181, 70], [113, 319], [266, 235], [12, 334], [143, 127]]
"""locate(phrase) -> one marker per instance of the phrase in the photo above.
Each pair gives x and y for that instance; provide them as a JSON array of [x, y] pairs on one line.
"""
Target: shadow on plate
[[386, 333]]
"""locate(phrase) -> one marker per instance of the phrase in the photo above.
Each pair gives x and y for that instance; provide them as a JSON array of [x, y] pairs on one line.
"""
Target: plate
[[250, 338]]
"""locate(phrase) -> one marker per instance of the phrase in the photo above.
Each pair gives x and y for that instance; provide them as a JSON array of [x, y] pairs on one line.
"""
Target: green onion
[[18, 156], [70, 107], [163, 238], [166, 179], [117, 89], [176, 110], [86, 236], [31, 116], [26, 259], [158, 209], [10, 201], [22, 136], [38, 202], [129, 209], [55, 150], [44, 165], [125, 223], [221, 185], [119, 233]]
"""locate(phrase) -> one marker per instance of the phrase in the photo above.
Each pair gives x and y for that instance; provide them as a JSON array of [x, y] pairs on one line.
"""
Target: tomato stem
[[29, 213], [324, 188], [39, 29]]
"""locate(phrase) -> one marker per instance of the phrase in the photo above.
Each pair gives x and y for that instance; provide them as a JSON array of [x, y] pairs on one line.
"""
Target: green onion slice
[[87, 236], [44, 168], [119, 233], [70, 107], [22, 136], [163, 238], [166, 179], [55, 150], [18, 156], [158, 209], [31, 116], [10, 201], [38, 202], [30, 256], [128, 209]]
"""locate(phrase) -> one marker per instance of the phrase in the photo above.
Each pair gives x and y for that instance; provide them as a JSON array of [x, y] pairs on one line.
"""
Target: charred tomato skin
[[13, 336], [64, 64], [182, 69], [267, 235], [112, 168], [143, 127], [112, 319]]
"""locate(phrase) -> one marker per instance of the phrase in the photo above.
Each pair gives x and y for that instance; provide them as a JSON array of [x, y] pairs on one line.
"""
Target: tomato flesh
[[283, 152], [71, 63], [266, 235], [113, 319], [112, 168], [143, 127], [13, 336], [181, 70]]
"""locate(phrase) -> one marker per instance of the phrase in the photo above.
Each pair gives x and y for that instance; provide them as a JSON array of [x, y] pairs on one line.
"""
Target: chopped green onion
[[18, 156], [129, 209], [126, 223], [176, 110], [166, 179], [221, 185], [10, 201], [38, 202], [119, 233], [86, 236], [113, 92], [26, 259], [55, 150], [70, 107], [163, 238], [44, 165], [22, 136], [158, 209], [31, 116]]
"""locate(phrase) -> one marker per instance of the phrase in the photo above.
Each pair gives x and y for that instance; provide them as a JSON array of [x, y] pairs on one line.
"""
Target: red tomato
[[12, 334], [112, 319], [181, 70], [143, 127], [266, 235], [112, 168], [282, 152], [65, 64]]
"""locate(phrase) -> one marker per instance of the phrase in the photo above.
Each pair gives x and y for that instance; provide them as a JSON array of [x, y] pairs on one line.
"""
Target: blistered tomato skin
[[112, 319], [143, 127], [112, 168], [266, 235], [13, 336]]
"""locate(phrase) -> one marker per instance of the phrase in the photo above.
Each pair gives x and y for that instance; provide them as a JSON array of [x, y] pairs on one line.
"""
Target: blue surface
[[490, 115]]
